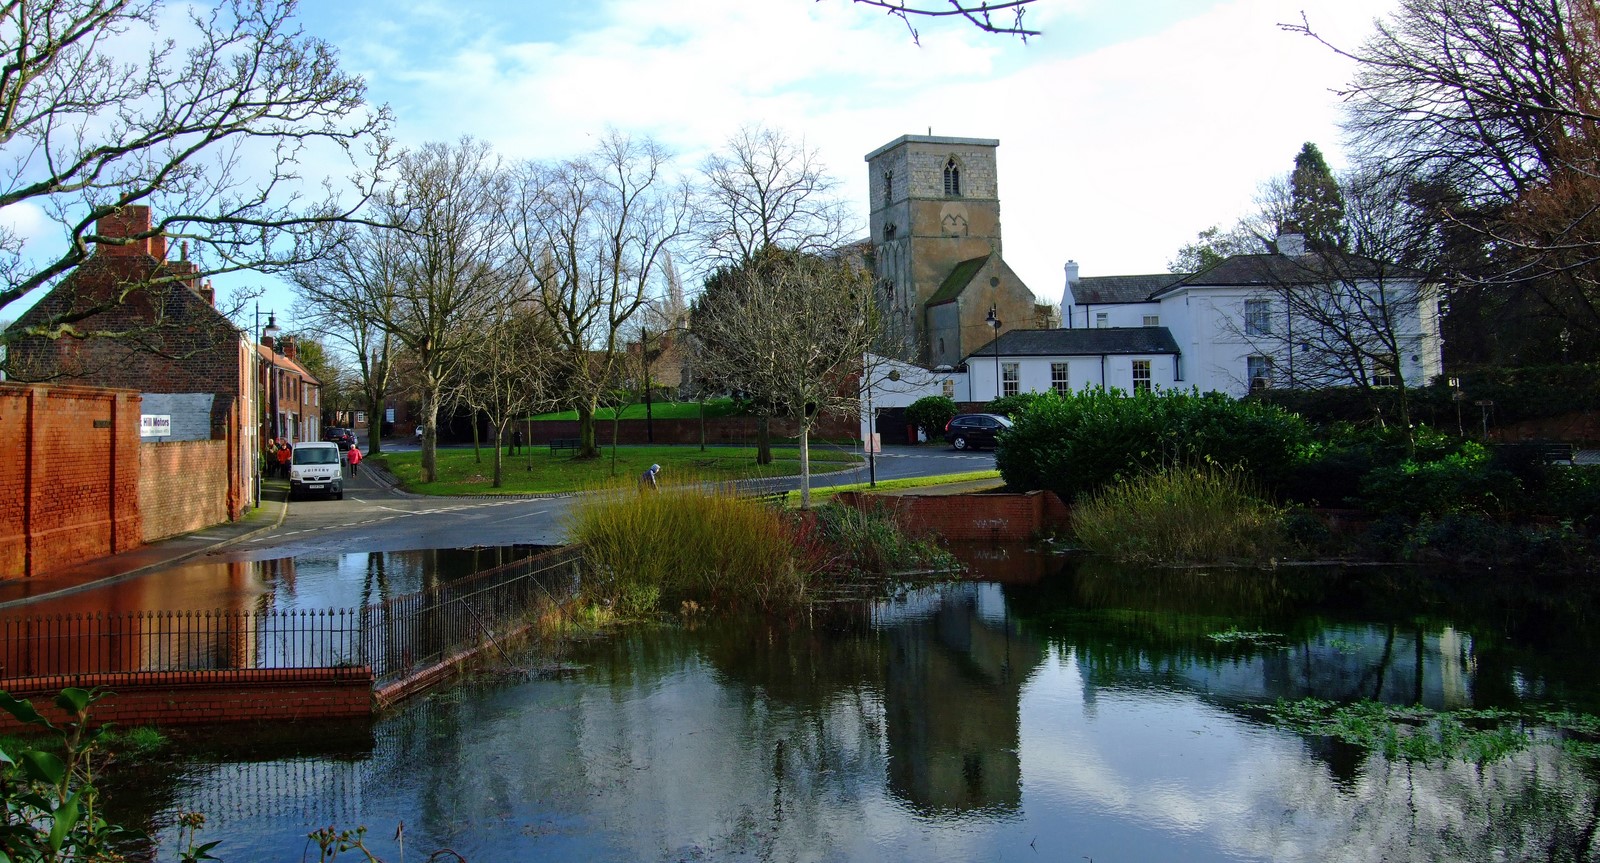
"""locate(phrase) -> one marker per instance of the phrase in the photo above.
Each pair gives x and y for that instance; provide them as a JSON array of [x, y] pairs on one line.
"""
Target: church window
[[941, 346], [952, 178], [888, 187]]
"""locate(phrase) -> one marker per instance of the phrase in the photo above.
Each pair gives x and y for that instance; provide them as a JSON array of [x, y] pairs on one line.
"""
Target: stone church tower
[[937, 248]]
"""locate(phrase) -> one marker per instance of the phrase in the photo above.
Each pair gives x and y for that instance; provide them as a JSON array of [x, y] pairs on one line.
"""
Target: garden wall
[[180, 484], [992, 517], [69, 476], [187, 698]]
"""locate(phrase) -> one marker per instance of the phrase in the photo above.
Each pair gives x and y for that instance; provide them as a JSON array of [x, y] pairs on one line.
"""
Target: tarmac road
[[375, 517]]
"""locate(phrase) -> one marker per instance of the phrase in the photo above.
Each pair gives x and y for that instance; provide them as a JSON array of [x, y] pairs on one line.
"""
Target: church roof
[[1079, 343], [958, 279], [1105, 290]]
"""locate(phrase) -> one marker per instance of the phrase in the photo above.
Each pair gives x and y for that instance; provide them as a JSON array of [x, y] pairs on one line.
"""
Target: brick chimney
[[130, 221], [289, 349]]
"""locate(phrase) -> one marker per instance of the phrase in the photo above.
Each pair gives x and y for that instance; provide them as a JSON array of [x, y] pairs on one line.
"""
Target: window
[[1059, 380], [1152, 320], [1258, 317], [1258, 372], [1009, 379], [888, 187], [948, 388], [1384, 371], [1141, 376], [1102, 320], [952, 178]]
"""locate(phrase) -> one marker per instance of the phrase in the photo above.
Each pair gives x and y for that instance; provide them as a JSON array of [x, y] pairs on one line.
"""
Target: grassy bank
[[820, 495], [660, 410], [460, 473]]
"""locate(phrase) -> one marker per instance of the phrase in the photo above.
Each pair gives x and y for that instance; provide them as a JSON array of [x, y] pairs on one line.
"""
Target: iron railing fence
[[408, 633], [395, 638]]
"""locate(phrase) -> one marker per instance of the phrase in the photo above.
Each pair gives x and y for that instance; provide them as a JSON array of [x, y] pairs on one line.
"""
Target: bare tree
[[211, 135], [454, 262], [347, 295], [790, 330], [1348, 317], [991, 16], [592, 233], [763, 192], [513, 371], [1498, 103]]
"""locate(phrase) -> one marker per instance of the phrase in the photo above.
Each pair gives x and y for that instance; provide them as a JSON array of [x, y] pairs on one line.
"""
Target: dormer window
[[952, 178], [888, 187]]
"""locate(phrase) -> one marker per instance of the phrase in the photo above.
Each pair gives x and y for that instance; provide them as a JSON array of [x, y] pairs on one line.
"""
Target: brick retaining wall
[[179, 486], [185, 698], [991, 517], [69, 476]]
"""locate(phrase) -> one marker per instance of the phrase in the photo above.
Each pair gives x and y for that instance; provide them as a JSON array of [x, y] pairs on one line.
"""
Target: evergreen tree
[[1316, 206]]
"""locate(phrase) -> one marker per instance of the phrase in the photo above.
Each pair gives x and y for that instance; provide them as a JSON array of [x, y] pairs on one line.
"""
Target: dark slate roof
[[1079, 343], [957, 281], [1103, 290], [1273, 269]]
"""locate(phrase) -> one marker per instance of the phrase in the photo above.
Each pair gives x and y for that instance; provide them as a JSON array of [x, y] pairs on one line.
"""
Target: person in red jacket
[[285, 452], [355, 459]]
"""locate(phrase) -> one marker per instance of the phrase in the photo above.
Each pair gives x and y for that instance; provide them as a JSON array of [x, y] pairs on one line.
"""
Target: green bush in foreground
[[1180, 515], [685, 543], [931, 414]]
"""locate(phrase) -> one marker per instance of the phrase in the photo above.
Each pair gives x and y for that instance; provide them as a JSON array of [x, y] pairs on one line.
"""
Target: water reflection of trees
[[1396, 635]]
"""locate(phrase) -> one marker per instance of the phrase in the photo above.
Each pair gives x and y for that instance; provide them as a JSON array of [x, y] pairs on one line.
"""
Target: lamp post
[[994, 321], [271, 332]]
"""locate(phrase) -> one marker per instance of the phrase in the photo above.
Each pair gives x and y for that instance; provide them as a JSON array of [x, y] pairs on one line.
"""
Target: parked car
[[974, 431], [345, 438], [316, 468]]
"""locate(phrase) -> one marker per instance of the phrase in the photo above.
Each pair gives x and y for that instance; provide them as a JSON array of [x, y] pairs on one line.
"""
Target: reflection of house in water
[[956, 666]]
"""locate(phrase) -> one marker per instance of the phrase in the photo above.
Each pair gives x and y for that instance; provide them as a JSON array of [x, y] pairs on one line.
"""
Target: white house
[[1273, 320]]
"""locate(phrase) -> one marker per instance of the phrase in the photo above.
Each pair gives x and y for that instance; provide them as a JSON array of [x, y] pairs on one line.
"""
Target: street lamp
[[994, 321], [271, 331]]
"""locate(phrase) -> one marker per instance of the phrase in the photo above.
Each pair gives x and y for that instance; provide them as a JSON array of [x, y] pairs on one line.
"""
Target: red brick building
[[132, 319], [291, 398]]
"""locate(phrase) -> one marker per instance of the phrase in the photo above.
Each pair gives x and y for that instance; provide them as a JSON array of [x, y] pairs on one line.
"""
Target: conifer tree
[[1316, 206]]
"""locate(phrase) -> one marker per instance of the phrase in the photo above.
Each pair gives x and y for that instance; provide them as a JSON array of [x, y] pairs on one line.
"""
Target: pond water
[[1047, 709]]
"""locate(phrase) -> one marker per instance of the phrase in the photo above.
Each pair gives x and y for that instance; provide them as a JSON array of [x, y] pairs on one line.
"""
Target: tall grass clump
[[1179, 515], [686, 542], [854, 541]]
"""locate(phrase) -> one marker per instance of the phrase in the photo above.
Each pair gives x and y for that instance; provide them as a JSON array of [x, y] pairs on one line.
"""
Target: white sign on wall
[[155, 425], [388, 415]]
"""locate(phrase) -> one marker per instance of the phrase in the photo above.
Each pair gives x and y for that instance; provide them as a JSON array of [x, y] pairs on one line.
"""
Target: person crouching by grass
[[647, 480]]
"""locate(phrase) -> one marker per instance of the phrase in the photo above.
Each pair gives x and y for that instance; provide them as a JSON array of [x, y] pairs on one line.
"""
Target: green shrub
[[1082, 442], [931, 414], [1463, 481], [685, 542], [1182, 515], [1014, 406]]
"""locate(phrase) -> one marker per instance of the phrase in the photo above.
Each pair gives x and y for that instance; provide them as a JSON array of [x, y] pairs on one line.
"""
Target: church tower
[[936, 239]]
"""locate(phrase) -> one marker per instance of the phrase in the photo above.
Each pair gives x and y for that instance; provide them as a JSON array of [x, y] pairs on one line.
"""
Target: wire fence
[[394, 638]]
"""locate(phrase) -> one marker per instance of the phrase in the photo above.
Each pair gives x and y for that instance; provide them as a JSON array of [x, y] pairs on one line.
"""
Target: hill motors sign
[[155, 425]]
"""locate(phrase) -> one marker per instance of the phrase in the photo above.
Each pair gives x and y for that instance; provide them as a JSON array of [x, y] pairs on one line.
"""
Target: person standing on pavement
[[355, 459], [285, 452]]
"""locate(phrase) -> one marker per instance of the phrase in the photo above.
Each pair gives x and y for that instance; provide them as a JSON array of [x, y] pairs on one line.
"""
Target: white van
[[315, 469]]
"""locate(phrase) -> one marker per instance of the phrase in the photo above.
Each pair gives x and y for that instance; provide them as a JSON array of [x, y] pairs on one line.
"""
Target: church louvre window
[[888, 187], [952, 178]]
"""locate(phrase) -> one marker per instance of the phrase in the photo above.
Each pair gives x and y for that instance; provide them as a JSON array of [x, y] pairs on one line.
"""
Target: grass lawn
[[460, 474], [659, 410], [822, 494]]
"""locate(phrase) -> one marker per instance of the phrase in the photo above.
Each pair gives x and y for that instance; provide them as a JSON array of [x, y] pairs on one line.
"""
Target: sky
[[1124, 129]]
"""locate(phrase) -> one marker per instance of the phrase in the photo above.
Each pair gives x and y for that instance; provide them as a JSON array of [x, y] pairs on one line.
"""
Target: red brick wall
[[69, 474], [721, 430], [166, 698], [993, 517], [183, 486]]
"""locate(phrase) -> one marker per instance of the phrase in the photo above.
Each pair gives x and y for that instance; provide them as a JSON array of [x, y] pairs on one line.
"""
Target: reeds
[[686, 542], [1179, 515]]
